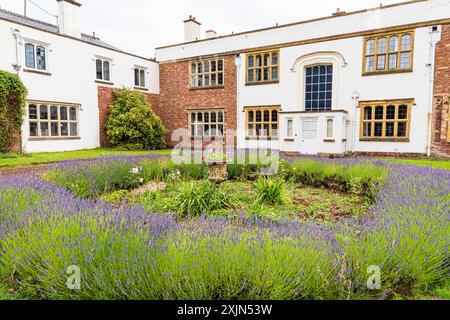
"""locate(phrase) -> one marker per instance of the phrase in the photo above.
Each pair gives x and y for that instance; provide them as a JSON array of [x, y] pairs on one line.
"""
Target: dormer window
[[103, 69], [35, 57]]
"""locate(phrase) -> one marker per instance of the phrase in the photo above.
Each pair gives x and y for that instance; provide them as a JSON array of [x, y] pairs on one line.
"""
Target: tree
[[132, 123], [12, 108]]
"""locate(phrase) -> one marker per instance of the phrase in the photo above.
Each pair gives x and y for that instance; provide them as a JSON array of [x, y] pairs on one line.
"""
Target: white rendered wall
[[72, 80]]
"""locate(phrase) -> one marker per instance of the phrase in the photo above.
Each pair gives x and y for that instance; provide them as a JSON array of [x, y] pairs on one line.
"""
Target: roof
[[333, 16], [51, 28]]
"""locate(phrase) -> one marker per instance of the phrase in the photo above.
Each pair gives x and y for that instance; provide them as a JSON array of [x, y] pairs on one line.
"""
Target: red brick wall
[[104, 101], [176, 98], [441, 112], [16, 146]]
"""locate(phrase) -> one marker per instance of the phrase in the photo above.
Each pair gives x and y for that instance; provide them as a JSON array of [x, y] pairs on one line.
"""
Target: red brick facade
[[177, 98], [105, 99], [16, 146], [441, 112]]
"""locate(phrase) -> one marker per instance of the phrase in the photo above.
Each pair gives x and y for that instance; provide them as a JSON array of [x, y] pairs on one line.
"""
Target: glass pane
[[192, 117], [99, 69], [258, 75], [136, 77], [251, 76], [403, 112], [213, 66], [370, 46], [258, 60], [274, 58], [73, 130], [44, 129], [32, 111], [367, 129], [251, 131], [214, 79], [73, 114], [379, 113], [401, 131], [29, 55], [274, 116], [213, 117], [207, 130], [106, 75], [220, 116], [393, 44], [405, 60], [220, 79], [206, 66], [329, 128], [393, 61], [192, 130], [275, 73], [220, 130], [266, 74], [54, 113], [220, 65], [258, 116], [290, 130], [266, 131], [207, 80], [378, 129], [43, 114], [142, 73], [200, 117], [63, 113], [381, 45], [33, 129], [200, 130], [251, 116], [40, 54], [193, 68], [55, 129], [213, 130], [274, 128], [258, 130], [381, 62], [206, 115], [390, 129], [266, 116], [266, 59], [390, 113], [406, 42], [64, 129], [251, 61], [200, 68], [370, 63]]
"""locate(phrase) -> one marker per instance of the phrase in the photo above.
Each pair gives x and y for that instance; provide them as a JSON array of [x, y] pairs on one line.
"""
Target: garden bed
[[135, 249]]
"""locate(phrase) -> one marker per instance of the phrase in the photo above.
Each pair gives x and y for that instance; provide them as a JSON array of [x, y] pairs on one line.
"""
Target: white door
[[308, 136]]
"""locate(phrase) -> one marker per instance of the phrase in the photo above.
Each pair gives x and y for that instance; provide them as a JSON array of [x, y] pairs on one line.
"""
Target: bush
[[201, 198], [270, 191], [132, 123], [12, 108]]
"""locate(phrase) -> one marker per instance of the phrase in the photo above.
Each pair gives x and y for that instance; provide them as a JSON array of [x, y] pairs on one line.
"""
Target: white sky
[[138, 26]]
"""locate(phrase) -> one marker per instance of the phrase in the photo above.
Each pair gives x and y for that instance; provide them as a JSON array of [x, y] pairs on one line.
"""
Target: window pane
[[275, 73], [370, 46], [32, 111], [43, 114], [274, 58], [54, 129], [290, 126], [266, 60], [251, 131], [393, 44], [390, 129], [381, 45], [63, 113], [53, 113], [403, 112], [200, 117], [73, 114], [318, 96], [251, 61], [274, 116], [251, 76], [29, 55], [251, 116], [367, 129], [206, 66], [401, 131], [258, 75], [381, 62], [405, 60], [192, 130], [206, 116], [193, 68], [220, 79], [329, 128], [40, 54], [266, 74], [33, 129], [136, 77], [214, 79], [142, 74], [106, 75], [406, 42], [390, 113], [220, 130], [44, 129], [266, 115], [274, 128], [213, 66], [393, 61], [378, 129], [370, 63], [379, 113], [99, 69], [64, 129], [73, 130], [220, 116], [206, 83], [258, 116], [258, 60], [213, 117], [192, 117], [220, 65], [200, 68], [200, 130]]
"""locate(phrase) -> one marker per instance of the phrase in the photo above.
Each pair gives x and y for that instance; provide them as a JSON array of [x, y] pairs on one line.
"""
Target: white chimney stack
[[69, 18], [210, 34], [191, 29]]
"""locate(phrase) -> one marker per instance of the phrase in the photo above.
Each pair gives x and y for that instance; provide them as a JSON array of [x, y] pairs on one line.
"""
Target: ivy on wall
[[12, 108]]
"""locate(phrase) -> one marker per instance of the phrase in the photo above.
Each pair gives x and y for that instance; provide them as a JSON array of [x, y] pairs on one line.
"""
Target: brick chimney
[[191, 29], [69, 18]]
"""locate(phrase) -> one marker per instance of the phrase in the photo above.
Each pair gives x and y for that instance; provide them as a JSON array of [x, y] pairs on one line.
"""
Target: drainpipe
[[18, 38], [435, 37], [238, 62], [355, 98]]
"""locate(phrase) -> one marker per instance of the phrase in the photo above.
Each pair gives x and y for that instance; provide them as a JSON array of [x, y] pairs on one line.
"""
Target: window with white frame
[[103, 69], [139, 77], [50, 120], [330, 128], [318, 87], [309, 129], [206, 123], [35, 56], [290, 128]]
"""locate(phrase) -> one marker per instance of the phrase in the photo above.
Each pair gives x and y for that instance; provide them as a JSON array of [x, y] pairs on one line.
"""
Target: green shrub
[[201, 198], [270, 190], [132, 123], [193, 171], [12, 108]]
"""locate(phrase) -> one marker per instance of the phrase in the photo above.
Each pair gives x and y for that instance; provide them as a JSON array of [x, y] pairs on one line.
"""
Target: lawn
[[437, 164], [17, 160]]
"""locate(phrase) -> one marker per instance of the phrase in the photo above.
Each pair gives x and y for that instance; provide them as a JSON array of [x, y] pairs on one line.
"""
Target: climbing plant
[[12, 108]]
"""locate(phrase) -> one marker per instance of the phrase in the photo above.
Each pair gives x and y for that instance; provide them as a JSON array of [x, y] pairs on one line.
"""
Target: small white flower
[[178, 172], [135, 170], [141, 180]]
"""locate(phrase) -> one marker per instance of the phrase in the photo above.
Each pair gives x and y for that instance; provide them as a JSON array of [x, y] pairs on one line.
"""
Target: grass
[[18, 160], [436, 164]]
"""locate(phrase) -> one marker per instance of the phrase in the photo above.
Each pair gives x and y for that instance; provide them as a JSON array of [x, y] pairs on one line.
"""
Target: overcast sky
[[138, 26]]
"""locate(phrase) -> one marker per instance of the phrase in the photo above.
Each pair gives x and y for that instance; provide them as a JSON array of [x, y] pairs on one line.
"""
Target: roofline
[[69, 37], [342, 14]]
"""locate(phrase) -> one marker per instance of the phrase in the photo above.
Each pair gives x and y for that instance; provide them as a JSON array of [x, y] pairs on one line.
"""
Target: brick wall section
[[441, 112], [176, 98], [16, 146], [104, 101]]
